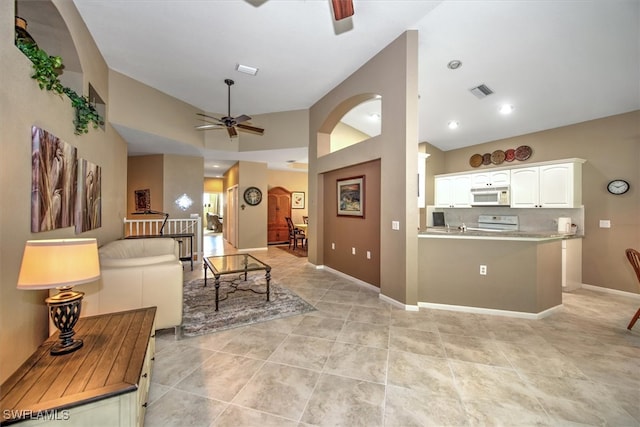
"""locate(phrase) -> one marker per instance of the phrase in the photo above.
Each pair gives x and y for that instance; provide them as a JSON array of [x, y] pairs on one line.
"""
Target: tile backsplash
[[529, 219]]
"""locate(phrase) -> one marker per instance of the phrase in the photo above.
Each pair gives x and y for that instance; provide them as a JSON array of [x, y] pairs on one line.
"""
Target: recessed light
[[453, 124], [506, 109], [454, 65], [252, 71]]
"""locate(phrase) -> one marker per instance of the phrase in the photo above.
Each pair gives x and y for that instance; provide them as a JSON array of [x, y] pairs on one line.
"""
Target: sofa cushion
[[136, 262], [136, 249]]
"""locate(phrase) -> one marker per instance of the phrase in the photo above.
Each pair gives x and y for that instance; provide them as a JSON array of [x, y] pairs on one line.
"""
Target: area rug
[[237, 307], [299, 252]]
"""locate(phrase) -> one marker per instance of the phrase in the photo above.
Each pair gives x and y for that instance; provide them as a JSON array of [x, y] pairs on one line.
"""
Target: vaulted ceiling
[[555, 62]]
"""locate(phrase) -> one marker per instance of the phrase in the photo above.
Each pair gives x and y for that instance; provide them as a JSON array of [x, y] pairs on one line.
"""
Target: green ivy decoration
[[46, 71]]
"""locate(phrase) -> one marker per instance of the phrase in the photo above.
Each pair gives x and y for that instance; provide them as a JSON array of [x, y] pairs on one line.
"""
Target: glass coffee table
[[233, 264]]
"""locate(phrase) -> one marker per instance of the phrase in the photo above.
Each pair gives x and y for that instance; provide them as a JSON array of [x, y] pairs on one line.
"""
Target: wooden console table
[[106, 382]]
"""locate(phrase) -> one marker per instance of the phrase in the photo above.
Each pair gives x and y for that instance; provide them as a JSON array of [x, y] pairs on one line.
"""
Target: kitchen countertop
[[455, 233]]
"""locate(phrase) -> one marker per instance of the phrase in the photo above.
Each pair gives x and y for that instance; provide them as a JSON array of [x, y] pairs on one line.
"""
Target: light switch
[[605, 223], [353, 251], [395, 225]]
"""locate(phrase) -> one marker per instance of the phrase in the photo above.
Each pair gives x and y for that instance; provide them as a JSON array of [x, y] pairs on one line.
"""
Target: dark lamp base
[[60, 349], [64, 309]]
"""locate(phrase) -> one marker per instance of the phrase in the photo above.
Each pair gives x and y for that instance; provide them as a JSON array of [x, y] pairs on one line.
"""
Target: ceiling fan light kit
[[232, 124]]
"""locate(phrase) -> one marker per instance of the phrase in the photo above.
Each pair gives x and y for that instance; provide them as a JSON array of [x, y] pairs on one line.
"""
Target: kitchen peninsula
[[524, 271]]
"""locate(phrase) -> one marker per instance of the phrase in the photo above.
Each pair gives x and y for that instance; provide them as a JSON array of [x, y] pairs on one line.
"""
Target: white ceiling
[[557, 62]]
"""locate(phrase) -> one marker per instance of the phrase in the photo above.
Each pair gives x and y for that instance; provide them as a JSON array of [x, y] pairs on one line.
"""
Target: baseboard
[[406, 307], [350, 278], [492, 311], [369, 286], [611, 291]]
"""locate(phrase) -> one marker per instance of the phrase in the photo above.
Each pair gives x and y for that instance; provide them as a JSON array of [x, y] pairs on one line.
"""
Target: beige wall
[[347, 233], [141, 108], [252, 220], [291, 181], [145, 172], [521, 276], [23, 314], [183, 175], [213, 185], [611, 147], [344, 135], [393, 74]]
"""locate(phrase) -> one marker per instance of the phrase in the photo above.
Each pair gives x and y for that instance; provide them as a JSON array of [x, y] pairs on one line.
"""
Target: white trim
[[383, 297], [611, 291], [351, 278], [405, 307], [492, 311]]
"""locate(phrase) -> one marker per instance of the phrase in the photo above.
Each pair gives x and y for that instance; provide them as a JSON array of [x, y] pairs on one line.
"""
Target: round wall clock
[[618, 186], [253, 196]]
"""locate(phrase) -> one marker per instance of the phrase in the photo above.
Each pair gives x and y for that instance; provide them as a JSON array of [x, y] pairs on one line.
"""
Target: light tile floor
[[358, 361]]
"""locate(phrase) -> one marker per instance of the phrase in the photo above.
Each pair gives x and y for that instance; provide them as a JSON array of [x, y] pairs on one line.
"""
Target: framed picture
[[89, 196], [54, 176], [351, 196], [297, 200], [143, 200]]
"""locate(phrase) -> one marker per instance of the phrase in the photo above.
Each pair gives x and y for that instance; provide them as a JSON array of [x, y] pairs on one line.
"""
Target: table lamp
[[60, 264]]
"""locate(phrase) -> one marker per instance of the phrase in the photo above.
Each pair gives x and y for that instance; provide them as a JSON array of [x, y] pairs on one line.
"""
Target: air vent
[[481, 91]]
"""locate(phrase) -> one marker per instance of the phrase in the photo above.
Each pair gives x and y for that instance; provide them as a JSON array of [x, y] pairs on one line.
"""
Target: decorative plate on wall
[[497, 157], [475, 160], [510, 155], [523, 152], [486, 159]]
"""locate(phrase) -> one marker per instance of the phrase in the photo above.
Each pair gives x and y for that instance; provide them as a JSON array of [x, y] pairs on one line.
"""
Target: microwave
[[490, 196]]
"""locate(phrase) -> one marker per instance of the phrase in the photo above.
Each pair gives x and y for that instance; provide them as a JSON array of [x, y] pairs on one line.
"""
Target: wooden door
[[279, 207]]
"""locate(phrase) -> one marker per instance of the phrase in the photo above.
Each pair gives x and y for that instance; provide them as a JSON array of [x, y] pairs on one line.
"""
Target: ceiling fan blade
[[232, 132], [209, 117], [342, 9], [250, 129], [242, 118], [208, 126]]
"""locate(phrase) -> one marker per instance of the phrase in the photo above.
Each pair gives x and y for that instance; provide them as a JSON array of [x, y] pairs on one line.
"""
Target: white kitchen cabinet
[[453, 191], [548, 186], [491, 179]]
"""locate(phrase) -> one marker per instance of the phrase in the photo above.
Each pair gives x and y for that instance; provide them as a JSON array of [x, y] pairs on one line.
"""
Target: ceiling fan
[[232, 124], [342, 9]]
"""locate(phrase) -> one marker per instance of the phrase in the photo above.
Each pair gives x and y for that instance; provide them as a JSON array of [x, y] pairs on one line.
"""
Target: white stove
[[497, 223]]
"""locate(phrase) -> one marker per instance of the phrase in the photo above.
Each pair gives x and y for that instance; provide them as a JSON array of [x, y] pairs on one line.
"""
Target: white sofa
[[138, 273]]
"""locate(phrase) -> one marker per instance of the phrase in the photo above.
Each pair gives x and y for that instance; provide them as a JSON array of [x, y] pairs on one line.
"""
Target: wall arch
[[334, 117]]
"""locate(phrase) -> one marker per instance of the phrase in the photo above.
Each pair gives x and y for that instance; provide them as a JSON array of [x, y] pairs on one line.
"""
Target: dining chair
[[295, 234], [634, 258]]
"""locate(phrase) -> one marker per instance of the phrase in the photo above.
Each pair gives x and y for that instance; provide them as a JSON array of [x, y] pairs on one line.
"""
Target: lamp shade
[[52, 263]]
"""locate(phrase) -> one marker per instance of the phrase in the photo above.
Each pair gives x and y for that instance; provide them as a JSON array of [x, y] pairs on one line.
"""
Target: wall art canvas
[[53, 181], [351, 196], [297, 200], [142, 199], [89, 201]]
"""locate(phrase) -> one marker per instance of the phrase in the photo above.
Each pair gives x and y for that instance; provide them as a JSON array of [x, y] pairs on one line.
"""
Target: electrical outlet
[[368, 254], [395, 225], [353, 251], [483, 270], [333, 246], [605, 223]]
